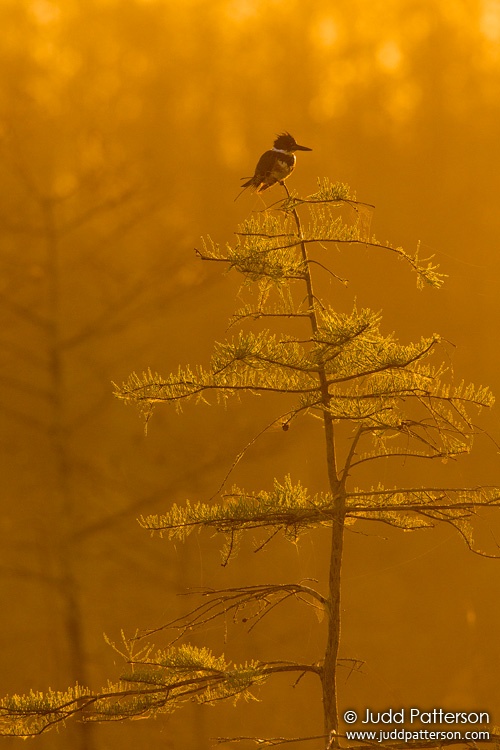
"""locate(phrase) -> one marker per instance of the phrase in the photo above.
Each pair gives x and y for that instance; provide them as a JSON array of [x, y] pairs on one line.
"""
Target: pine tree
[[375, 398]]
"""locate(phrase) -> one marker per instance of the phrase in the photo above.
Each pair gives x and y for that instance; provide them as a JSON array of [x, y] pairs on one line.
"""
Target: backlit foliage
[[158, 681]]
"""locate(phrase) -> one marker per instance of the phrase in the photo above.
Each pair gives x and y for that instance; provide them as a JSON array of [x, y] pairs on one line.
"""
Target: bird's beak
[[302, 148]]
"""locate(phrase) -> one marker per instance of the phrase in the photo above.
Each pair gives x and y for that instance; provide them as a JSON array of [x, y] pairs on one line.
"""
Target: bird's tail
[[245, 185], [242, 191]]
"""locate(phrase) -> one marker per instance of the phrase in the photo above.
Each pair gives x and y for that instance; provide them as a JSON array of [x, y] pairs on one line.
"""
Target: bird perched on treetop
[[276, 164]]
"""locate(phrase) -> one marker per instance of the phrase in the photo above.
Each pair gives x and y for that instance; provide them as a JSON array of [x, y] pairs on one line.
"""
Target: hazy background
[[124, 130]]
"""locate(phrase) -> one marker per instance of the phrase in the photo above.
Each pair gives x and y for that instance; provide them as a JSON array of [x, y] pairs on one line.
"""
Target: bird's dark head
[[286, 142]]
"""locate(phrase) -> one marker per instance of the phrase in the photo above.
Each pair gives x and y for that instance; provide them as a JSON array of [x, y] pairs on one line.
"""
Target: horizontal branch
[[419, 490], [235, 600], [34, 714], [268, 741]]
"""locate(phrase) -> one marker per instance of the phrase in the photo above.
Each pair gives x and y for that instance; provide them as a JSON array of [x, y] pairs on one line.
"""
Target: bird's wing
[[265, 164]]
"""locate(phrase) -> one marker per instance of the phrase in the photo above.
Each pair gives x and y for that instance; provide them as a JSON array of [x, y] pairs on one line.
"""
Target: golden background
[[124, 130]]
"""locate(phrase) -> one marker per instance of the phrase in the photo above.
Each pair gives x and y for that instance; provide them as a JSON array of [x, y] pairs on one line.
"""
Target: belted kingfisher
[[276, 164]]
